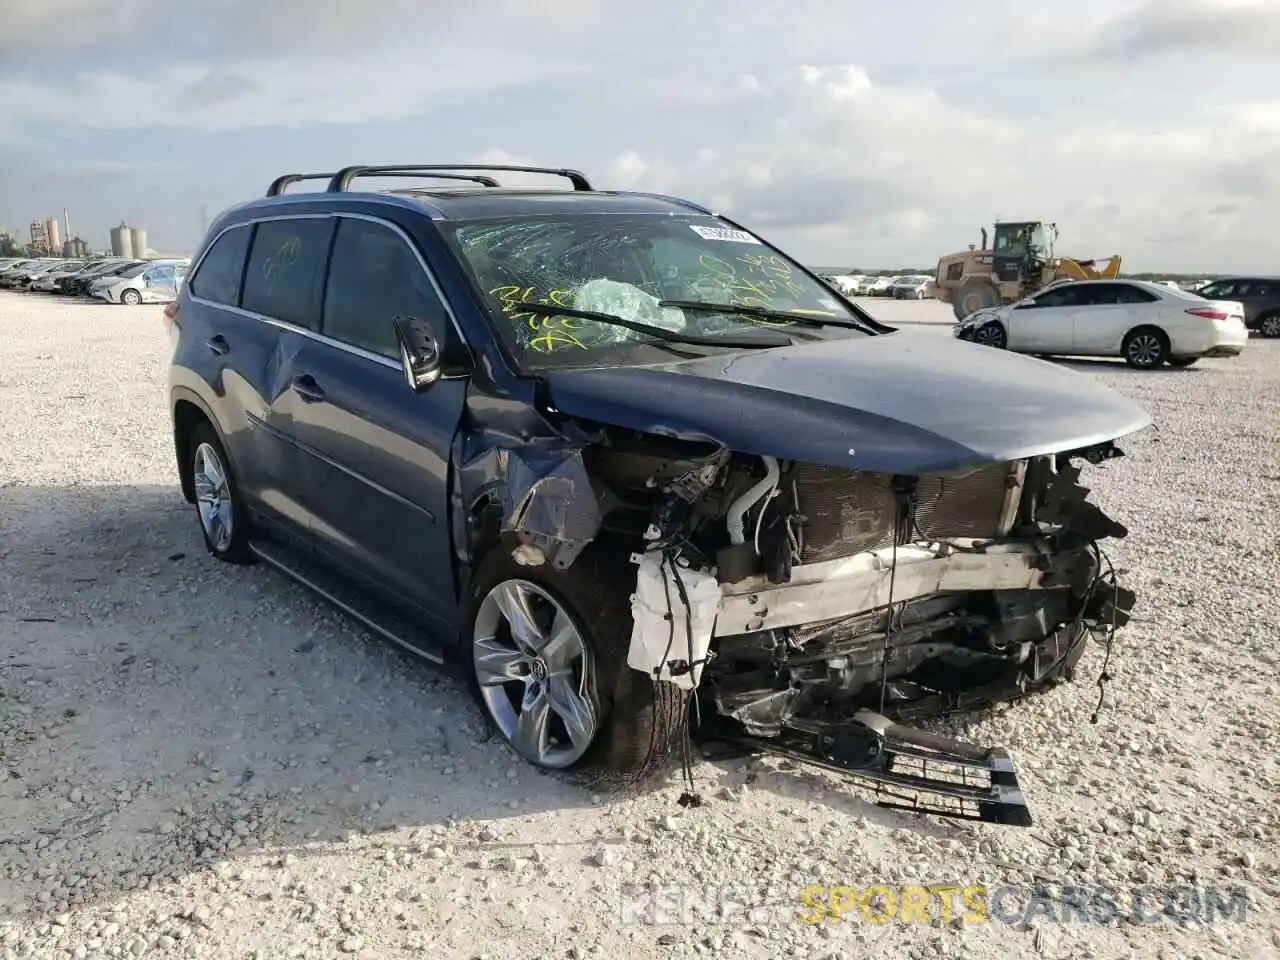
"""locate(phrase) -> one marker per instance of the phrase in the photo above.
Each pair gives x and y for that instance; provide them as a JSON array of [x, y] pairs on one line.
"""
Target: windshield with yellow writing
[[625, 265]]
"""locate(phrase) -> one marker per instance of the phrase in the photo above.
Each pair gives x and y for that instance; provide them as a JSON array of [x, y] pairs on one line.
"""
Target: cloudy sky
[[849, 131]]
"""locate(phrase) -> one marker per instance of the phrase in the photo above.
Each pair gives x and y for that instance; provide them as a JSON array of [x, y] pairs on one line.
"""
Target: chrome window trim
[[312, 334]]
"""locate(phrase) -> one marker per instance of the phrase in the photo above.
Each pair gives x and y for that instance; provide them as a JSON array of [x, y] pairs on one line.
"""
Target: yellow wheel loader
[[1019, 263]]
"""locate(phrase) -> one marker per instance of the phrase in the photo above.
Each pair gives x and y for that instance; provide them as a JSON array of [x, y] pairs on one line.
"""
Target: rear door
[[283, 286], [1107, 312], [1255, 296], [375, 472], [159, 284]]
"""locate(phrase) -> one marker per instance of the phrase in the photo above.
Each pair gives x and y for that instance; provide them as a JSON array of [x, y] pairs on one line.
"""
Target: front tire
[[549, 664], [131, 298], [991, 334], [1269, 326], [1145, 348], [224, 523]]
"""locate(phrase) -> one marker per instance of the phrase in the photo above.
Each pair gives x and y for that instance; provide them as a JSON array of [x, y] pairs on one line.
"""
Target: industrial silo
[[138, 239], [54, 235], [121, 241]]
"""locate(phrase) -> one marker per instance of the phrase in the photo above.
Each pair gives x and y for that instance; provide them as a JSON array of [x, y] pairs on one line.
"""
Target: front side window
[[286, 264], [625, 265], [373, 278], [218, 277], [1067, 295]]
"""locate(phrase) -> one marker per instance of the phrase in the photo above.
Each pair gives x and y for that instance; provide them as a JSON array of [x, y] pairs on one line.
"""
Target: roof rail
[[409, 172], [342, 179], [280, 184]]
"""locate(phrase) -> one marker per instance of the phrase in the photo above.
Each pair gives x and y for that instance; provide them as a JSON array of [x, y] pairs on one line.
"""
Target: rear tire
[[1145, 348], [974, 294], [635, 725], [224, 522], [1269, 326]]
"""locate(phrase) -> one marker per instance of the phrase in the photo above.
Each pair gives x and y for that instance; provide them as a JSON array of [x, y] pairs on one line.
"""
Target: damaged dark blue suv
[[621, 454]]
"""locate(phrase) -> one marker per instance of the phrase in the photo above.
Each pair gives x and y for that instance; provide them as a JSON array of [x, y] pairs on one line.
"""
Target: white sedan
[[1147, 324]]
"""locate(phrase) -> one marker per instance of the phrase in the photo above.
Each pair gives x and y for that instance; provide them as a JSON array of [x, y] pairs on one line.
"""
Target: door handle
[[218, 344], [306, 387]]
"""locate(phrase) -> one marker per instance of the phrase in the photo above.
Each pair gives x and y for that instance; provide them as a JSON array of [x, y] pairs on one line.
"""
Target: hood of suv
[[905, 402]]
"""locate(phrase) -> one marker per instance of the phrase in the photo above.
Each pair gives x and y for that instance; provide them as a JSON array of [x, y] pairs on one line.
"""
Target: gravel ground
[[202, 761]]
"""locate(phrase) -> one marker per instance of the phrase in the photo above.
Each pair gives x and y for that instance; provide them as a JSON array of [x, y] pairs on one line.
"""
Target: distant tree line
[[929, 271]]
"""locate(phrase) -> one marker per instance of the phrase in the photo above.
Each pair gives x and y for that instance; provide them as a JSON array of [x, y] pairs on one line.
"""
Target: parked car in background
[[1147, 324], [94, 268], [32, 270], [877, 286], [47, 282], [849, 284], [11, 270], [910, 288], [1260, 297], [79, 285], [155, 281]]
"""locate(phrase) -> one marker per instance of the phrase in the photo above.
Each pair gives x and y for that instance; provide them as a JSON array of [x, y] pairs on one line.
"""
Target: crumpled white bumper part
[[655, 640]]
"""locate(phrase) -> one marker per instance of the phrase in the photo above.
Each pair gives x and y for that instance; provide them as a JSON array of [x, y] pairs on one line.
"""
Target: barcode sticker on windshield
[[723, 233]]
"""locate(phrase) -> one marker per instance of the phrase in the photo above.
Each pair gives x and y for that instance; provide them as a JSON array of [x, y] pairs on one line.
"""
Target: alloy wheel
[[1145, 350], [989, 335], [535, 674], [213, 497], [1271, 326]]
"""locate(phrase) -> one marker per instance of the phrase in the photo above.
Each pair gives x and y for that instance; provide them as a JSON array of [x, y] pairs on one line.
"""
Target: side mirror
[[419, 353]]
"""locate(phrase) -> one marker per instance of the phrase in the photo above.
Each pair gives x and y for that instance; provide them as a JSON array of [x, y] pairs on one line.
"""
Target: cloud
[[1185, 26], [264, 93], [846, 129], [34, 27], [829, 157]]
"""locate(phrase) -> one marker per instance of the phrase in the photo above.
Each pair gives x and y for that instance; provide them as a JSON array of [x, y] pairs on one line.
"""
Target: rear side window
[[1223, 288], [1114, 294], [373, 278], [286, 264], [218, 278], [1127, 293]]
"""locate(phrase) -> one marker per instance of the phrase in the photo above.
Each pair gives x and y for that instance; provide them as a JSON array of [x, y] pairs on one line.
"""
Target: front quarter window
[[626, 265]]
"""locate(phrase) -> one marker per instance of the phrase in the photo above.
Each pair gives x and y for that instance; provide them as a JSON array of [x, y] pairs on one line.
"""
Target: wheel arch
[[1260, 323], [188, 411], [1153, 327]]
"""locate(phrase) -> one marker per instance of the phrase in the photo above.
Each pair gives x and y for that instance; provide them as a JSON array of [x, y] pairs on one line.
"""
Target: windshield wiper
[[756, 339], [765, 313]]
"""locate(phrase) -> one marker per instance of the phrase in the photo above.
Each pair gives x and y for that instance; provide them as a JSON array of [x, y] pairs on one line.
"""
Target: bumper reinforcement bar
[[910, 769]]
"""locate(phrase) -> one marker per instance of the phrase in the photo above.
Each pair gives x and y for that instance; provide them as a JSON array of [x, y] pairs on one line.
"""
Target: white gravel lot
[[201, 761]]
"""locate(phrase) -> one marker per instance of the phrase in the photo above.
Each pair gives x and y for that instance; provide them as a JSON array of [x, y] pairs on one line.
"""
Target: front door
[[375, 454], [1044, 323]]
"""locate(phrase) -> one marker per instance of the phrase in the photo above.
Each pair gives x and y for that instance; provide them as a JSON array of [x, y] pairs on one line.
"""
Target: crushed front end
[[819, 611]]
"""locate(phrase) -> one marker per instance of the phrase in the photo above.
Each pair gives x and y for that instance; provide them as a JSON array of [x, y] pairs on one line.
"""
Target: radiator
[[848, 511]]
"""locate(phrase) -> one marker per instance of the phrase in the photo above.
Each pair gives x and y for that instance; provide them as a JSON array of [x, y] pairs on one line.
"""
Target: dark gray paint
[[899, 403]]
